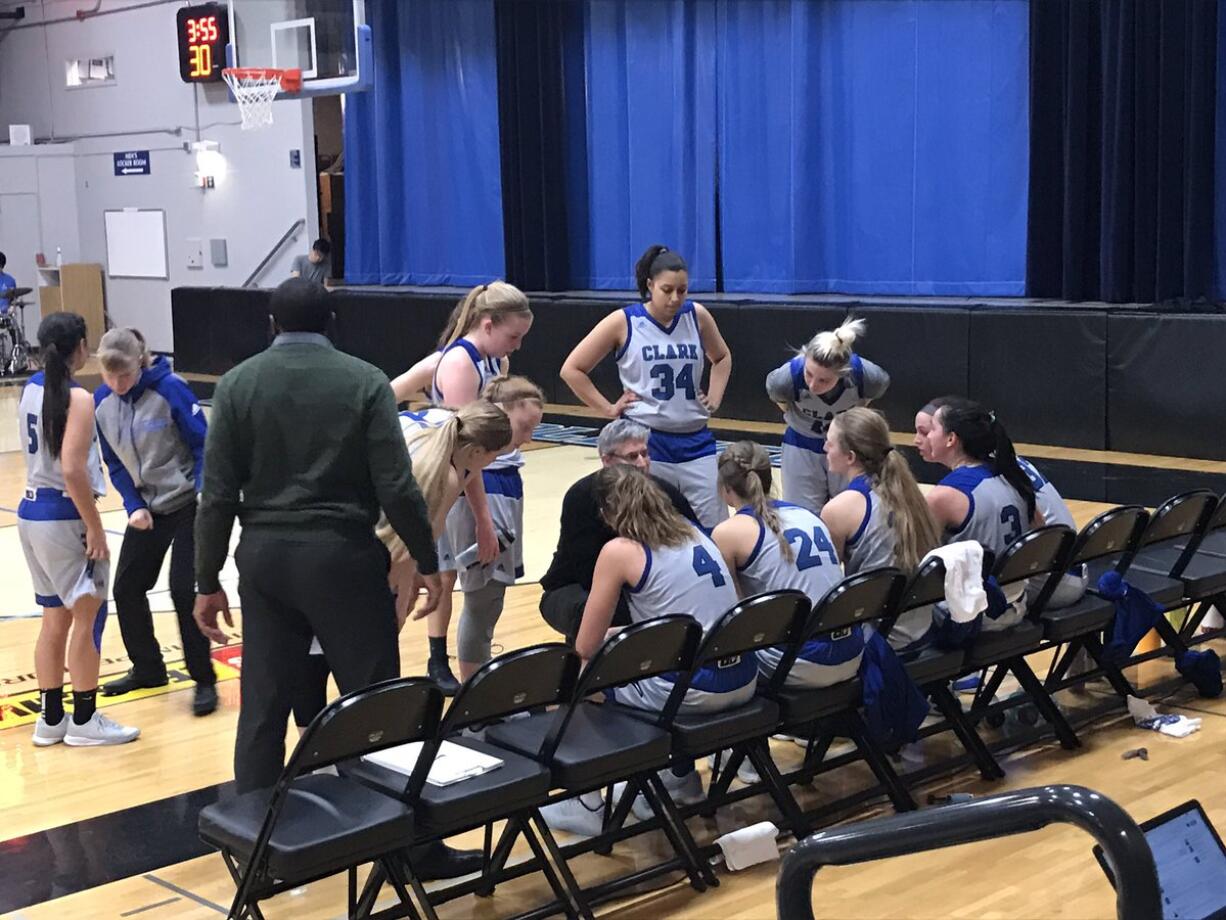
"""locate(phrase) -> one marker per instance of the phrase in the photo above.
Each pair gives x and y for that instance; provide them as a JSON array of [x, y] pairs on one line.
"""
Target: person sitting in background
[[7, 283], [316, 265], [584, 532]]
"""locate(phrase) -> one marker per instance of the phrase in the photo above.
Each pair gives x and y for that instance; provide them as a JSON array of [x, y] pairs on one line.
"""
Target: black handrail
[[1138, 896], [276, 247]]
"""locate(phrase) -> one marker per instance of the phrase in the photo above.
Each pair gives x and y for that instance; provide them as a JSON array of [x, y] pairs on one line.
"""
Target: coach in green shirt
[[304, 447]]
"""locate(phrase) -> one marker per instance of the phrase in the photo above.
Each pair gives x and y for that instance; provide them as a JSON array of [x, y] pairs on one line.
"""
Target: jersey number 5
[[705, 565], [32, 432], [667, 384]]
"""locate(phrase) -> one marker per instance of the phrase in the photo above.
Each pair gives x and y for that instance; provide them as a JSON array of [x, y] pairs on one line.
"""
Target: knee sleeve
[[482, 608]]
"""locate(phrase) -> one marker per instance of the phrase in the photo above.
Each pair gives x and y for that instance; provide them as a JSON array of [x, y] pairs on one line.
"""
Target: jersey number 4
[[667, 384], [705, 565]]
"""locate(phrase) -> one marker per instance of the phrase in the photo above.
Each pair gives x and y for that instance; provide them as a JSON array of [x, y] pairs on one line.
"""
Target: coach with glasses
[[584, 533]]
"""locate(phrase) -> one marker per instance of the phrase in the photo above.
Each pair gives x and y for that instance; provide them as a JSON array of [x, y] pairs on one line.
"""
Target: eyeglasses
[[632, 456]]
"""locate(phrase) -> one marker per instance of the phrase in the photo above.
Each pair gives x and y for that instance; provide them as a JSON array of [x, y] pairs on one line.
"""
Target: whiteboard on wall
[[136, 243]]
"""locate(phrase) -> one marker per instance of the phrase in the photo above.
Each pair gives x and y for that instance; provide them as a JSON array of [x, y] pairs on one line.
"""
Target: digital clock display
[[204, 31]]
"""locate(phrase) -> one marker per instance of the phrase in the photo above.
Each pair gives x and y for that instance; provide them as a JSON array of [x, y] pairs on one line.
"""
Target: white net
[[254, 92]]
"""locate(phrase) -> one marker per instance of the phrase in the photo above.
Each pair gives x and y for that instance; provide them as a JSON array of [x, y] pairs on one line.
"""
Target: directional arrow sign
[[132, 163]]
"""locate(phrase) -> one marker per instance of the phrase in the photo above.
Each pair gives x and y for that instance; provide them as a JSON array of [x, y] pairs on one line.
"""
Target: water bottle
[[59, 257], [468, 558]]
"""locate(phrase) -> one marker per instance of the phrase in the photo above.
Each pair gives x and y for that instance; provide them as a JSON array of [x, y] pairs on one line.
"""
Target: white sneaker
[[46, 735], [745, 772], [98, 731], [582, 815]]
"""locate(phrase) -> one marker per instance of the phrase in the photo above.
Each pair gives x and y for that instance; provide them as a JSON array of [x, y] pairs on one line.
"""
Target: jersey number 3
[[667, 384], [705, 565]]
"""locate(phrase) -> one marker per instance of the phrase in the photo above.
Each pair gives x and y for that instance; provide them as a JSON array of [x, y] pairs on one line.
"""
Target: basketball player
[[1072, 586], [63, 540], [484, 328], [827, 377], [661, 346], [152, 430], [881, 518], [986, 496], [773, 546]]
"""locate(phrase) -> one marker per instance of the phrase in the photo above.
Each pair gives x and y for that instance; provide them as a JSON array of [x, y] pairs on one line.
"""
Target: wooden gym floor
[[73, 819]]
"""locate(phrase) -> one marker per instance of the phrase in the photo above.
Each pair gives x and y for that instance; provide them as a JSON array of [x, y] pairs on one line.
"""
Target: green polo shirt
[[304, 443]]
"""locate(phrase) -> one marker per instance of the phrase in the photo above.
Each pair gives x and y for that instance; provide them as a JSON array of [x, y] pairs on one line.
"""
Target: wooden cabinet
[[77, 288]]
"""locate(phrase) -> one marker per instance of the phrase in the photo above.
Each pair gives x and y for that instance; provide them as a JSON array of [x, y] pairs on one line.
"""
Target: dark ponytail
[[985, 439], [658, 258], [59, 335]]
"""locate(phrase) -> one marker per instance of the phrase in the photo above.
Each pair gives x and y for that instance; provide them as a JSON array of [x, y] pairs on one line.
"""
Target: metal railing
[[292, 232], [1125, 849]]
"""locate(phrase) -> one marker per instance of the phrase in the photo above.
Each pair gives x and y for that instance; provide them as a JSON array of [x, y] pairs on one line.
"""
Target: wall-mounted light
[[210, 164]]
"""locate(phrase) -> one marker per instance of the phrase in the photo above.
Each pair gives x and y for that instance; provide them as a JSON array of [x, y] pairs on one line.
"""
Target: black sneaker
[[204, 700], [440, 673], [132, 681]]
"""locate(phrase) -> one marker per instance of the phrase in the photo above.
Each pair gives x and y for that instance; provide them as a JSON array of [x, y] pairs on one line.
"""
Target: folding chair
[[1106, 542], [867, 598], [588, 745], [1041, 552], [933, 668], [312, 825], [540, 675]]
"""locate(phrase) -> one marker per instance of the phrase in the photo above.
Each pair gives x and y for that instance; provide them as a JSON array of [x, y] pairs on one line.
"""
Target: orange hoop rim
[[290, 80]]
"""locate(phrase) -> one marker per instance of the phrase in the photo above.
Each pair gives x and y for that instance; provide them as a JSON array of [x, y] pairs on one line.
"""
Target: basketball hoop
[[255, 88]]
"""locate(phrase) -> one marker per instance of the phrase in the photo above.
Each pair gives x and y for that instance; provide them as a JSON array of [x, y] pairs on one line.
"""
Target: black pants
[[333, 588], [562, 608], [140, 561]]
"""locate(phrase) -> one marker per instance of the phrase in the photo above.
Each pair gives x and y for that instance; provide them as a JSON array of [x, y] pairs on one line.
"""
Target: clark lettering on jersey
[[670, 352]]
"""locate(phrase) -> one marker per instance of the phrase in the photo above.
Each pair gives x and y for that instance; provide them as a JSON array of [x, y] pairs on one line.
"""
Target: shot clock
[[204, 31]]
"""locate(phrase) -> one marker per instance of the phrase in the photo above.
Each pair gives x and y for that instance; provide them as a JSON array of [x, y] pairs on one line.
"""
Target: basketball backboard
[[328, 40]]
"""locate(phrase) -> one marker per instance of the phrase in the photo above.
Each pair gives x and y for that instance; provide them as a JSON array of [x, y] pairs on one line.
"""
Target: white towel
[[964, 594], [749, 846]]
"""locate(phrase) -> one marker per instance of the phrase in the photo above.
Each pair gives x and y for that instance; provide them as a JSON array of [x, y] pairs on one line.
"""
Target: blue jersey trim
[[678, 447], [44, 508], [629, 334], [794, 438], [646, 570], [965, 479], [640, 309], [861, 484], [48, 600], [473, 355], [757, 547], [857, 373], [505, 481]]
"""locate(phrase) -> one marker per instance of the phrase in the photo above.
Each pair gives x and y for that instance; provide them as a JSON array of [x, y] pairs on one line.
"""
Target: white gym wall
[[56, 192]]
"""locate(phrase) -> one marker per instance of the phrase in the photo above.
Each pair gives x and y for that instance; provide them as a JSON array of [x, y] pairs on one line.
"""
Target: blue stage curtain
[[873, 146], [643, 171], [423, 196]]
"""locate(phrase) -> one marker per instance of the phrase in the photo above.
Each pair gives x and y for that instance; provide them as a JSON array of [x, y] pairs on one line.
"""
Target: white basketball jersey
[[487, 369], [809, 414], [1046, 498], [44, 471], [873, 543], [420, 420], [997, 514], [814, 566], [663, 365], [690, 579]]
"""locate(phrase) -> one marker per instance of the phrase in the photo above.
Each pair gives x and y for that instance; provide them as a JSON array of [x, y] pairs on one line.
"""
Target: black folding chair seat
[[697, 734], [1087, 615], [1164, 590], [798, 706], [1214, 543], [326, 825], [993, 647], [1203, 576], [933, 664], [518, 784], [602, 743]]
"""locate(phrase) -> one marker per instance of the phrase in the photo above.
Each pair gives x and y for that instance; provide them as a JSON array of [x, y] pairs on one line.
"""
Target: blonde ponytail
[[496, 300], [745, 471], [832, 349], [864, 433]]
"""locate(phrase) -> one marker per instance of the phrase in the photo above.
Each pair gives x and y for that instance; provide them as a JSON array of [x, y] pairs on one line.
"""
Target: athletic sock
[[438, 649], [52, 704], [83, 705]]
